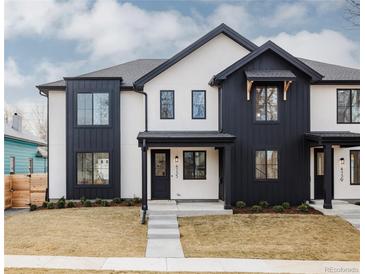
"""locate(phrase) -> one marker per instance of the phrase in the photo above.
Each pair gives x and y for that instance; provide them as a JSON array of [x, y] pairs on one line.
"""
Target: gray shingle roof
[[183, 134], [129, 71], [270, 74], [133, 70], [333, 72]]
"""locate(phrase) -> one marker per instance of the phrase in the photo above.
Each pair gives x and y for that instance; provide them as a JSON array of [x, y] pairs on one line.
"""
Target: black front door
[[160, 185], [318, 173]]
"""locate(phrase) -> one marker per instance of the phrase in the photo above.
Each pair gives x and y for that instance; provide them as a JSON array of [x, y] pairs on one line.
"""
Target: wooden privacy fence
[[21, 190]]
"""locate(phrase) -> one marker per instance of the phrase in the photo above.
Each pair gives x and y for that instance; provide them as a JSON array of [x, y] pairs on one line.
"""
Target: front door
[[318, 173], [160, 177]]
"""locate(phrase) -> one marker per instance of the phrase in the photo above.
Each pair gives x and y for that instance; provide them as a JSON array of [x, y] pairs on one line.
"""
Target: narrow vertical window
[[266, 103], [266, 165], [198, 104], [167, 104], [12, 165], [101, 108], [101, 168], [348, 106], [84, 168], [84, 109], [355, 167], [30, 165]]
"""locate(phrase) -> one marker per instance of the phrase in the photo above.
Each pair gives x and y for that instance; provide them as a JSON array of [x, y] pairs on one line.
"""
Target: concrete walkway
[[163, 233], [181, 264], [347, 211]]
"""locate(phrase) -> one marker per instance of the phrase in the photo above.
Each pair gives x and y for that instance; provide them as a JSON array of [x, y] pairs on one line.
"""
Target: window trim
[[109, 125], [12, 159], [192, 104], [265, 85], [337, 91], [270, 180], [109, 185], [353, 184], [205, 164], [173, 104]]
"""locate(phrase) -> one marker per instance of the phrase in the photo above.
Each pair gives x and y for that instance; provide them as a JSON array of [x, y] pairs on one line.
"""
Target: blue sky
[[47, 40]]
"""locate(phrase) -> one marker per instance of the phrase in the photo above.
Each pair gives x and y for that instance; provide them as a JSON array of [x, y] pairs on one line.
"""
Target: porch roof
[[183, 138], [342, 138], [269, 75]]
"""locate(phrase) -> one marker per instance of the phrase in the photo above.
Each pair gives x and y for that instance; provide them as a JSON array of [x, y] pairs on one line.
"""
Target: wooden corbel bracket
[[249, 86], [286, 88]]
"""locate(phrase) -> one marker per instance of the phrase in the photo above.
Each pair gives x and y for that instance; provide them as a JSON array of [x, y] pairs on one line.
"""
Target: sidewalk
[[181, 264]]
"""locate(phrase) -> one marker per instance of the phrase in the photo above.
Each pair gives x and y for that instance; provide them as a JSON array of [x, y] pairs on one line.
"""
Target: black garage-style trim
[[138, 84]]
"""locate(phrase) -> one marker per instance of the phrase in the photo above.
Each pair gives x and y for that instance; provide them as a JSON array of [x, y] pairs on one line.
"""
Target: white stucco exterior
[[190, 189], [324, 118], [192, 73], [57, 144]]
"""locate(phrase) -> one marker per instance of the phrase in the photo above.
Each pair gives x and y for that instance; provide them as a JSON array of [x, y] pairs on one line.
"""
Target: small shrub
[[303, 207], [62, 199], [264, 204], [240, 204], [87, 203], [50, 205], [256, 208], [60, 204], [104, 203], [44, 204], [136, 200], [33, 207], [98, 201], [285, 205], [117, 201], [70, 204], [82, 200], [278, 208], [127, 202]]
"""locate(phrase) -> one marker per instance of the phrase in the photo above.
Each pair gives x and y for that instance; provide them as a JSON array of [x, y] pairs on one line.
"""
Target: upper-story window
[[92, 109], [348, 106], [167, 104], [198, 104], [266, 103]]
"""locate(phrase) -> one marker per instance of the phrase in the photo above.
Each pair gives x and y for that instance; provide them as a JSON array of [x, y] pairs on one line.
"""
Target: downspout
[[145, 108], [44, 94]]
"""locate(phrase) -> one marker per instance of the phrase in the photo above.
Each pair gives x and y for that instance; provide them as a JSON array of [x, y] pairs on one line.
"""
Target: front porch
[[187, 208]]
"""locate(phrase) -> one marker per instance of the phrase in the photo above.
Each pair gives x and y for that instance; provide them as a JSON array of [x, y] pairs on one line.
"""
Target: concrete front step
[[162, 217], [168, 223], [163, 233]]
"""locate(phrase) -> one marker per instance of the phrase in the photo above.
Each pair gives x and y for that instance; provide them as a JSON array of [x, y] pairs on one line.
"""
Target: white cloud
[[326, 46], [292, 14], [13, 77]]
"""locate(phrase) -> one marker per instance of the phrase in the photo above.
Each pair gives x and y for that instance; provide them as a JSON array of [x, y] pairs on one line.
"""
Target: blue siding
[[22, 151]]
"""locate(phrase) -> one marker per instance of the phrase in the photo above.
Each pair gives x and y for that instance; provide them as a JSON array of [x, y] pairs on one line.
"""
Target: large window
[[348, 106], [355, 167], [92, 109], [266, 165], [198, 104], [93, 168], [195, 167], [266, 103], [167, 104]]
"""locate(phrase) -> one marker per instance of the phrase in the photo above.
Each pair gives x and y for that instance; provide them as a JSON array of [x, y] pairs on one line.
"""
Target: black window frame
[[265, 86], [12, 160], [93, 185], [351, 183], [192, 104], [205, 164], [92, 125], [173, 104], [266, 165], [31, 165], [343, 89]]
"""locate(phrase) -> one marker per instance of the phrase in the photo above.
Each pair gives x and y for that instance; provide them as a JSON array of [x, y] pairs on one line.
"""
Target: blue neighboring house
[[24, 153]]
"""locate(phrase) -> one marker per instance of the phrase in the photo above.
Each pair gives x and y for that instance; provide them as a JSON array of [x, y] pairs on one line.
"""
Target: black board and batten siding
[[93, 138], [287, 135]]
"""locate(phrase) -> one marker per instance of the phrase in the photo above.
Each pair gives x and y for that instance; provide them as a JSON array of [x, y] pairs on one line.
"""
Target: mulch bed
[[93, 204], [291, 210]]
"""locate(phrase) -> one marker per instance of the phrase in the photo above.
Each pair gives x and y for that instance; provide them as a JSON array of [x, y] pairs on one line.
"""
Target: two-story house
[[223, 119]]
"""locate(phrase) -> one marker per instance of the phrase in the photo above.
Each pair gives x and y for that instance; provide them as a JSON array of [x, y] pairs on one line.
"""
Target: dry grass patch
[[270, 236], [99, 231]]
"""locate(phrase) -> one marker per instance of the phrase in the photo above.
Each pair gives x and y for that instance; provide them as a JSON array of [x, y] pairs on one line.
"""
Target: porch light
[[342, 161], [176, 159]]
